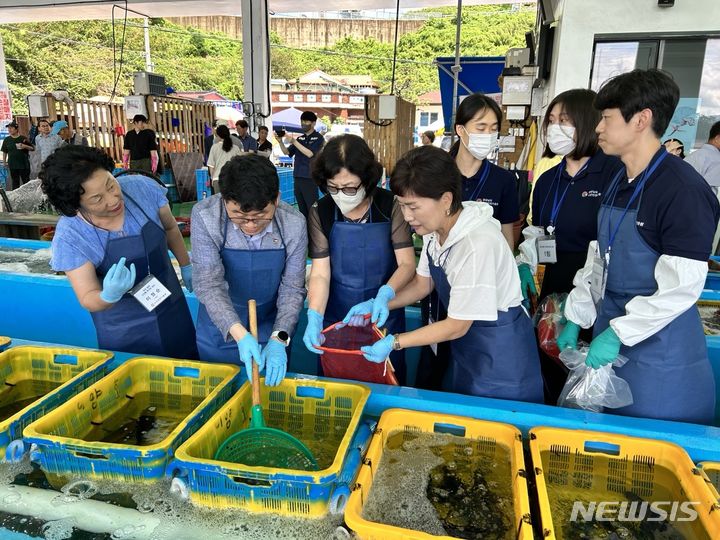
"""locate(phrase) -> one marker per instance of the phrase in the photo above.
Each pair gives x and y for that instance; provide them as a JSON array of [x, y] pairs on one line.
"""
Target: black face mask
[[306, 126]]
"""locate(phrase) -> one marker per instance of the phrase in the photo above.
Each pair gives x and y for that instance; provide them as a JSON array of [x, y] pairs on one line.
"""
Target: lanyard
[[483, 178], [638, 190], [556, 184]]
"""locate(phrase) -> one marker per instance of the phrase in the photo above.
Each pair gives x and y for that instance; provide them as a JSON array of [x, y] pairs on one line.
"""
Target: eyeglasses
[[332, 190], [255, 221]]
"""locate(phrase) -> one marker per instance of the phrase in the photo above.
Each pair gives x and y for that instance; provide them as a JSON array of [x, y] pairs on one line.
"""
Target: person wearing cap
[[45, 142], [15, 149], [62, 129], [140, 149]]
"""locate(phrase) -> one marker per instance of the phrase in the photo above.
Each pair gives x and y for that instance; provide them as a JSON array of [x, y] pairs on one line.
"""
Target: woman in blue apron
[[468, 262], [359, 243], [112, 242], [477, 122], [647, 269], [247, 244], [566, 200]]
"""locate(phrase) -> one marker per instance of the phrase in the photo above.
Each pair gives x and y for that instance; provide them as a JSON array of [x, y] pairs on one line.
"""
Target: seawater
[[148, 418], [652, 483], [14, 398], [442, 484], [322, 435], [179, 520], [25, 261]]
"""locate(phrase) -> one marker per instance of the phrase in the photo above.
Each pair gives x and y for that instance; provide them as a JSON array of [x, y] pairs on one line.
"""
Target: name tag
[[598, 279], [150, 292], [547, 249]]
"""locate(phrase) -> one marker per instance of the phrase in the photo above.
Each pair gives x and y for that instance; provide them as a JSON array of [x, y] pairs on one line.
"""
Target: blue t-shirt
[[76, 241], [678, 212], [495, 186], [576, 220], [313, 142]]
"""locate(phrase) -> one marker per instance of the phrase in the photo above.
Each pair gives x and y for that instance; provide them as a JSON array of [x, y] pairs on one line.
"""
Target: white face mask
[[561, 139], [481, 145], [346, 203]]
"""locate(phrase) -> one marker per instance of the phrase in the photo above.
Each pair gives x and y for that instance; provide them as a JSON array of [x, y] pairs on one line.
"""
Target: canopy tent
[[289, 120]]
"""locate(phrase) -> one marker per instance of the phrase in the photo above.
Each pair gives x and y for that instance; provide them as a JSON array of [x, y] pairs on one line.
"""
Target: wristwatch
[[282, 336], [396, 343]]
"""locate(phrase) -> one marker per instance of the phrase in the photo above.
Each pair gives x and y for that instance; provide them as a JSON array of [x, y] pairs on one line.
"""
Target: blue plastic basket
[[72, 370], [168, 181], [3, 177], [324, 404], [287, 184], [59, 436], [203, 185]]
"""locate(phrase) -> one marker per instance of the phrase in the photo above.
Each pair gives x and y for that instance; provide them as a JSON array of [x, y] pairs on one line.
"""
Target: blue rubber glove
[[356, 315], [275, 358], [249, 350], [313, 336], [378, 351], [117, 281], [380, 310], [527, 282], [603, 349], [186, 273], [569, 336]]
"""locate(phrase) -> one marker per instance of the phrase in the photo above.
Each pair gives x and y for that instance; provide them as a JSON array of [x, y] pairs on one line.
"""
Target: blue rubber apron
[[496, 359], [127, 326], [249, 273], [669, 373], [362, 260]]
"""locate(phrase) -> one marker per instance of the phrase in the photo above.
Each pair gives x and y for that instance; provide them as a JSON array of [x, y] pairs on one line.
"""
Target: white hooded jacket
[[478, 264]]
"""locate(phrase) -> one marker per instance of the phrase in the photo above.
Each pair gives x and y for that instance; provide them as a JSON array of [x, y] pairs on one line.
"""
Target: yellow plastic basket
[[486, 436], [592, 468], [711, 472], [52, 375], [59, 436], [4, 342], [317, 408]]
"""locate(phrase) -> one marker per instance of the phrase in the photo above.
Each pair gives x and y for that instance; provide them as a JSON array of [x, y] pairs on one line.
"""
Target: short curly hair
[[351, 153], [66, 170]]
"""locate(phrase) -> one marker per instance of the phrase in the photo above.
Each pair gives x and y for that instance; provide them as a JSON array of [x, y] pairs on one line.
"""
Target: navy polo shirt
[[313, 142], [576, 220], [678, 211], [498, 190]]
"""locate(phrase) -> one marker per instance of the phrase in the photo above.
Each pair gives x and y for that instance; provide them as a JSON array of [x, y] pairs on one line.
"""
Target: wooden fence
[[178, 123], [390, 142]]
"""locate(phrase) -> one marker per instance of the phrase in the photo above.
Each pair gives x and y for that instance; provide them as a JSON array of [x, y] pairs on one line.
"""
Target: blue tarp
[[479, 74]]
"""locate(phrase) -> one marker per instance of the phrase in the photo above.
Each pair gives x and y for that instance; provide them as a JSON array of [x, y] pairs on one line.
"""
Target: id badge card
[[150, 292], [598, 279], [547, 249]]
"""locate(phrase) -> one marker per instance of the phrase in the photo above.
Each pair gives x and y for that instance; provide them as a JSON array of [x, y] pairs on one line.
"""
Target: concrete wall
[[581, 21], [300, 32]]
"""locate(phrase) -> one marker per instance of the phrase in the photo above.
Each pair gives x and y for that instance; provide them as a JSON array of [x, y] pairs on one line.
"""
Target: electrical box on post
[[147, 83], [135, 105], [387, 107], [37, 105]]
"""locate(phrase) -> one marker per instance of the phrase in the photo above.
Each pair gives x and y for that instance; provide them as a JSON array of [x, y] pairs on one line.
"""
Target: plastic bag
[[593, 389], [548, 319]]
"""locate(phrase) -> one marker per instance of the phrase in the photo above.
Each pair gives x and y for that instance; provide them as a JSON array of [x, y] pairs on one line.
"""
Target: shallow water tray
[[309, 410], [590, 468], [60, 436], [485, 438]]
